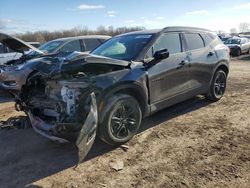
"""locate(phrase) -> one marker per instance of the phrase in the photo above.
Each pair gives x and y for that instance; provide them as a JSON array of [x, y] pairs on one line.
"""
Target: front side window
[[170, 41], [125, 47], [194, 41]]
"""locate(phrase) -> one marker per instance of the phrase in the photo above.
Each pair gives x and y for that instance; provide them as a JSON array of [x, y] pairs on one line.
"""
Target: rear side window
[[102, 40], [207, 38], [2, 49], [91, 44], [194, 41], [170, 41]]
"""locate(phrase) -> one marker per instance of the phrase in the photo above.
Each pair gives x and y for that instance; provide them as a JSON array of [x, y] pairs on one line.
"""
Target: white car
[[7, 54], [238, 45]]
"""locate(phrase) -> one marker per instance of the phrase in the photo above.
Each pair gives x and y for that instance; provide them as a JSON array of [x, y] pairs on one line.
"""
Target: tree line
[[44, 36]]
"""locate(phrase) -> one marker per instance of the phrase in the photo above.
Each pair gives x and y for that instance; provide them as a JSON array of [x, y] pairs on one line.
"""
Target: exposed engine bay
[[63, 107]]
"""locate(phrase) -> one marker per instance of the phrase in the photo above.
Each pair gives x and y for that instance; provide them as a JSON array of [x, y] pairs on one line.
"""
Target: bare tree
[[233, 30], [43, 36], [244, 27]]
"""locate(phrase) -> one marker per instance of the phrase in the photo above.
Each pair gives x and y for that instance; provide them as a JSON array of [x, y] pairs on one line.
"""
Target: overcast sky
[[31, 15]]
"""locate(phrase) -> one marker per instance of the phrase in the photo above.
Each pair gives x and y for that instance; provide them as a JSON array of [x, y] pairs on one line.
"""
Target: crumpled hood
[[17, 44], [85, 58], [54, 65]]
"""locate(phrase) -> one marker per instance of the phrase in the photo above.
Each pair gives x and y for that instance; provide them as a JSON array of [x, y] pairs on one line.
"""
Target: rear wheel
[[218, 86], [121, 121], [238, 52]]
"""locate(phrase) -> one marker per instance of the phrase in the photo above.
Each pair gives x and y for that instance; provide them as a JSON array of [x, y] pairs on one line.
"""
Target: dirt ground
[[192, 144]]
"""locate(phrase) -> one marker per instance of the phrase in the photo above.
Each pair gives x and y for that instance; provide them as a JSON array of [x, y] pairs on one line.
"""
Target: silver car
[[7, 54], [238, 45], [13, 76]]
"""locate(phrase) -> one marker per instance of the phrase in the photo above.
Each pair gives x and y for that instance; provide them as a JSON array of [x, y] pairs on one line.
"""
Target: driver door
[[169, 77]]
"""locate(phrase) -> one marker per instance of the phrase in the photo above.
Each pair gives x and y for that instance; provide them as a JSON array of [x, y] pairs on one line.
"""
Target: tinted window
[[91, 44], [233, 41], [102, 40], [207, 38], [2, 49], [71, 46], [194, 41], [170, 41], [125, 47]]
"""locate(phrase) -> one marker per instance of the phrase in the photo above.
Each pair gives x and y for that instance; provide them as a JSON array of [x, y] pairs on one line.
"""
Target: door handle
[[210, 54], [183, 62]]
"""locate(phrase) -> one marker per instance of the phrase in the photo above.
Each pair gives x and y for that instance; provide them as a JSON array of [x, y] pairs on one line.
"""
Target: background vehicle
[[132, 76], [238, 45], [12, 77], [64, 46], [7, 54]]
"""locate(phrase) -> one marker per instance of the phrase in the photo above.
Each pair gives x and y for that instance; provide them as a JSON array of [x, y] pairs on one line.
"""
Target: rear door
[[202, 59], [169, 77]]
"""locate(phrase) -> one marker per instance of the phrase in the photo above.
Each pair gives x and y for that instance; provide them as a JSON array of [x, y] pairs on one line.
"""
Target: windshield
[[123, 47], [47, 47], [232, 41]]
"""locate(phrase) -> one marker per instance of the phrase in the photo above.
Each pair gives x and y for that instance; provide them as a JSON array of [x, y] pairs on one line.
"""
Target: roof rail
[[183, 28]]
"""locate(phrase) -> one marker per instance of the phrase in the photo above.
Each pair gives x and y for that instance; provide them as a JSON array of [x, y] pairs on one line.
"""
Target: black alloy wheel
[[122, 119], [218, 86]]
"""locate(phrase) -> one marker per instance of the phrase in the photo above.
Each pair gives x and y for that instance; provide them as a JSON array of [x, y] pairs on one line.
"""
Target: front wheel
[[218, 86], [121, 121]]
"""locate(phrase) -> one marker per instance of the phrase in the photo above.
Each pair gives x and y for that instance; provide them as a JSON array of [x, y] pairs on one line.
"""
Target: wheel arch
[[223, 67], [133, 89]]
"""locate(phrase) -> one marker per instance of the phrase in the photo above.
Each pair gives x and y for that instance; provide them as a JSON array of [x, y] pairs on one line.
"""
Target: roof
[[84, 37]]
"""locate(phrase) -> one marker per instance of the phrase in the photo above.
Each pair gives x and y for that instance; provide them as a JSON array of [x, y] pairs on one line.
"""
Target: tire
[[218, 86], [238, 52], [116, 129], [248, 52]]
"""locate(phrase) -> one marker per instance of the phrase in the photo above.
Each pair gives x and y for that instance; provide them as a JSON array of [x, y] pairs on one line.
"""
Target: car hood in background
[[17, 44]]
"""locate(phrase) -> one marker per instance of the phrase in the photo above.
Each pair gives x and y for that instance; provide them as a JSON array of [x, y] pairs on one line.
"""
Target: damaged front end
[[61, 108]]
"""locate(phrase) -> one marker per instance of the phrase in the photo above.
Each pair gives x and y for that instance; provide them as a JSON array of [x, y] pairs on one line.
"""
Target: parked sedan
[[131, 76], [238, 45], [14, 75]]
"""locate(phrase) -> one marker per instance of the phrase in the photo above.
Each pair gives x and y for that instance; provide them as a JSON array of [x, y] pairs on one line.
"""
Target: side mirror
[[161, 54]]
